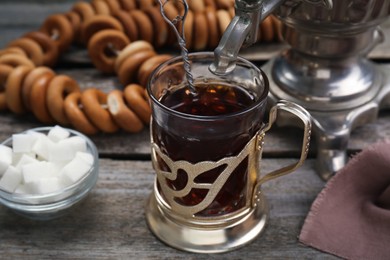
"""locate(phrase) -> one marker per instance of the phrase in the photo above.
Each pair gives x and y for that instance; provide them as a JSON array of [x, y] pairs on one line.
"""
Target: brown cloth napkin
[[350, 218]]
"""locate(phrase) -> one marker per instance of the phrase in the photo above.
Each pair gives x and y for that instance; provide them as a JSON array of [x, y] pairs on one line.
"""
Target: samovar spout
[[241, 32]]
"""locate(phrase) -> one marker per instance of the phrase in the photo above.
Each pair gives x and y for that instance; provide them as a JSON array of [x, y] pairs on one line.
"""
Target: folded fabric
[[350, 218]]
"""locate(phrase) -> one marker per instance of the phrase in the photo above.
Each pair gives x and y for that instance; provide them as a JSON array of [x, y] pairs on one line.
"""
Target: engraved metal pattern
[[251, 150]]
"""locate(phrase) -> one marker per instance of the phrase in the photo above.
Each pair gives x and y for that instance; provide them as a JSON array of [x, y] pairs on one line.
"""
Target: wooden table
[[110, 223]]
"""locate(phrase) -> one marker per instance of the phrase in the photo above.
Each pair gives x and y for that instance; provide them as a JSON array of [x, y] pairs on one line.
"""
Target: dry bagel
[[32, 49], [128, 23], [93, 101], [13, 89], [137, 99], [49, 47], [60, 29], [201, 32], [267, 30], [13, 50], [103, 48], [160, 34], [196, 5], [16, 60], [122, 115], [113, 5], [128, 5], [100, 7], [189, 29], [128, 71], [29, 81], [130, 50], [144, 25], [5, 71], [38, 98], [76, 116], [75, 21], [212, 25], [60, 87], [98, 23], [84, 9], [149, 66]]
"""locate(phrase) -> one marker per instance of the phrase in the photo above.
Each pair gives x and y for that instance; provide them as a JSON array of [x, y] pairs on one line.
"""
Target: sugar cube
[[58, 133], [11, 179], [56, 167], [75, 170], [23, 189], [46, 185], [60, 152], [23, 143], [41, 147], [25, 159], [5, 158], [77, 143], [35, 171], [16, 157], [87, 157], [5, 154]]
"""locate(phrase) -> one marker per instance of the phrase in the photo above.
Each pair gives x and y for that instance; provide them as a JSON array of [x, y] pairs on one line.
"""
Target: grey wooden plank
[[277, 143], [21, 14], [110, 224]]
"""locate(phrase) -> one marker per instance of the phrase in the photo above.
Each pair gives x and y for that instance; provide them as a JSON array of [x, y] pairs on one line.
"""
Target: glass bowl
[[56, 204]]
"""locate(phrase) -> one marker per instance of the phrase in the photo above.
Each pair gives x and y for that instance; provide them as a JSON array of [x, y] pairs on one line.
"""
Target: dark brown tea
[[221, 131]]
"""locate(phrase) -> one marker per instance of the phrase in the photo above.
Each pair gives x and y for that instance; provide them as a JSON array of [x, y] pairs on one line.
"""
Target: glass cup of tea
[[206, 151]]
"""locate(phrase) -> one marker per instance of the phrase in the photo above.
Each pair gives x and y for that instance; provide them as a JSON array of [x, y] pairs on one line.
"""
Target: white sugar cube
[[46, 185], [5, 158], [16, 157], [23, 143], [77, 143], [87, 157], [58, 133], [42, 146], [5, 154], [56, 168], [61, 152], [75, 170], [25, 159], [3, 167], [34, 171], [35, 133], [11, 179], [23, 189]]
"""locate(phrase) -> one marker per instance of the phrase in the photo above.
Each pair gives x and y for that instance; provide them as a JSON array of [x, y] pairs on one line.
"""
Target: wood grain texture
[[110, 223]]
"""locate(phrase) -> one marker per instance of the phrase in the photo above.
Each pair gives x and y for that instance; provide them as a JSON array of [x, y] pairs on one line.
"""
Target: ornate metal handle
[[305, 117]]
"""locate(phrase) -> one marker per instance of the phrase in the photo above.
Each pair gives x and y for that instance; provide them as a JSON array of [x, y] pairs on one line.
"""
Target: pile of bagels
[[122, 38]]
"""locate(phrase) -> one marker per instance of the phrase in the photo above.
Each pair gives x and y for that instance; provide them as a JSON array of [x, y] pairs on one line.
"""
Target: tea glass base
[[206, 239]]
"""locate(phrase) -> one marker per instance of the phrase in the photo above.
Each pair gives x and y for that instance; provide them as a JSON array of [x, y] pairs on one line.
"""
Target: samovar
[[325, 69]]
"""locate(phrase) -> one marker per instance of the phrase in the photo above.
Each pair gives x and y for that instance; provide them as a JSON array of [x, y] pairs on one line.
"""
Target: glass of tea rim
[[206, 147]]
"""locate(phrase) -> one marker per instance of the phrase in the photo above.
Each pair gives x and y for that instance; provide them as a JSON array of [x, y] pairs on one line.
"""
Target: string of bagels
[[121, 37]]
